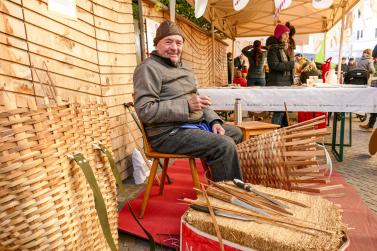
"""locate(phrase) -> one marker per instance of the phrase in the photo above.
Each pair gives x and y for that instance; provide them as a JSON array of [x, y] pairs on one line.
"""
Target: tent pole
[[341, 43], [172, 10], [324, 45], [213, 46], [141, 28], [232, 62]]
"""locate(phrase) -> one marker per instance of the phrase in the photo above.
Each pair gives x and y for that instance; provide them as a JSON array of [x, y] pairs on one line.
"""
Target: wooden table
[[253, 128]]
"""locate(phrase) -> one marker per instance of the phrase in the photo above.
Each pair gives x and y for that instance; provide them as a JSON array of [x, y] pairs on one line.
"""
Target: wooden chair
[[150, 153]]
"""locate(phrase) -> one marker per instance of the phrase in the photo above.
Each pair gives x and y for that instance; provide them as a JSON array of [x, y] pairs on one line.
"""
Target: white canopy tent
[[257, 18], [260, 17]]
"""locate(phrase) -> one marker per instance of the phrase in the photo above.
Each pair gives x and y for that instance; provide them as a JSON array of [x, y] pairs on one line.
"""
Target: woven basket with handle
[[46, 202]]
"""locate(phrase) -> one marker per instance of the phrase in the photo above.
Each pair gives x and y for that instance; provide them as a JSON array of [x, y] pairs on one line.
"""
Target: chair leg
[[164, 174], [194, 173], [148, 188]]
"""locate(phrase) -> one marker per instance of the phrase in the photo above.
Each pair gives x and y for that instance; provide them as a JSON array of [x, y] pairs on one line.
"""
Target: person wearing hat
[[280, 63], [176, 118], [344, 66]]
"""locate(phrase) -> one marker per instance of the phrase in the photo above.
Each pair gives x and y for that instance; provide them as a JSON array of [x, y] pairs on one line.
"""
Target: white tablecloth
[[297, 99]]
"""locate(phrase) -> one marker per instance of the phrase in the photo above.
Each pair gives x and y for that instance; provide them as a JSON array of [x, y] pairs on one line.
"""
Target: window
[[375, 33], [361, 34], [358, 35], [358, 14]]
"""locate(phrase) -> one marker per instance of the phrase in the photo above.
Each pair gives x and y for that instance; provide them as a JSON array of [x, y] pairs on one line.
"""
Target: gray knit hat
[[167, 28]]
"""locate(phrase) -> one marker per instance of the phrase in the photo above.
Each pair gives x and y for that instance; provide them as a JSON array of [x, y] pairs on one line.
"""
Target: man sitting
[[177, 119]]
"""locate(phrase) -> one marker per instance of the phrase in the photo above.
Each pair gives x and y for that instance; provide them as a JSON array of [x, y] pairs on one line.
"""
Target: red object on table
[[240, 81], [325, 68], [303, 116]]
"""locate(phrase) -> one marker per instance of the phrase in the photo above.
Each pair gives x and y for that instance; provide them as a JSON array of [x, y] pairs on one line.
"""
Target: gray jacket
[[162, 91], [366, 63]]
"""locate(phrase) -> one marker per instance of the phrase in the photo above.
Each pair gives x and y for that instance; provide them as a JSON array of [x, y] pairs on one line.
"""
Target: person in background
[[351, 64], [291, 41], [281, 65], [366, 62], [257, 57], [308, 69], [374, 53], [244, 71], [239, 61], [229, 64], [373, 116], [299, 61], [344, 66], [238, 79]]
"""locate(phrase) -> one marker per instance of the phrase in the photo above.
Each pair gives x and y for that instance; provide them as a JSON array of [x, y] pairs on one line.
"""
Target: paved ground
[[358, 168]]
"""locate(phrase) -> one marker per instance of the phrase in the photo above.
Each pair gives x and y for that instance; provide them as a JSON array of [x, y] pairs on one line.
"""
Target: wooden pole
[[324, 45], [213, 45], [141, 28], [232, 62], [172, 10], [341, 43]]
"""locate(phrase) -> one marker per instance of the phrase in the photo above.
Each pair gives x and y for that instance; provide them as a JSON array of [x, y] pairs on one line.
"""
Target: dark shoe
[[366, 128]]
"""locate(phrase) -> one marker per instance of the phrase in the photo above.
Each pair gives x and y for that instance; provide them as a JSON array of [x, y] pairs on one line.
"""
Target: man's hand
[[198, 103], [218, 129]]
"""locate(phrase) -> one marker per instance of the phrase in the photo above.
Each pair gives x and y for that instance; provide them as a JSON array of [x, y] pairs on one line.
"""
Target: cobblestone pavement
[[358, 168]]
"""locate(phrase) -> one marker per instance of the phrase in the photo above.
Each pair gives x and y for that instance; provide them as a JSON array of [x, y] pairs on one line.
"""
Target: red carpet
[[162, 216], [357, 216]]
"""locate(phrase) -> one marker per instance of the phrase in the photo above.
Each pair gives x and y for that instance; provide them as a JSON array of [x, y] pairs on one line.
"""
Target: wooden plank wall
[[92, 57], [197, 49]]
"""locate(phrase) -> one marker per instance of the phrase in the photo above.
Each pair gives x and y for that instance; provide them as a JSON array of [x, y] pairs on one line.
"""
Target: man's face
[[343, 60], [170, 47]]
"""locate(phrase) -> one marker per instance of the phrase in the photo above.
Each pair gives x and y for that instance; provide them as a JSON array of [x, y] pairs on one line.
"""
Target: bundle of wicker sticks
[[305, 223], [289, 158]]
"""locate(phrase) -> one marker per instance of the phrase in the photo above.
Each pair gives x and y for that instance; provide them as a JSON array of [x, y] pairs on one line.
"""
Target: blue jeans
[[256, 82]]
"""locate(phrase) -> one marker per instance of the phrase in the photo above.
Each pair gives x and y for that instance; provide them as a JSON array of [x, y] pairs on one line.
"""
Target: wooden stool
[[253, 128], [150, 153]]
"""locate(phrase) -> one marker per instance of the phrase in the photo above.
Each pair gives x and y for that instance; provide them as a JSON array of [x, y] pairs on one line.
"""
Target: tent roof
[[257, 18]]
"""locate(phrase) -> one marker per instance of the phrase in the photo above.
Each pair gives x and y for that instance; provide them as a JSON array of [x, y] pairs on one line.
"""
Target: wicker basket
[[285, 158], [46, 202]]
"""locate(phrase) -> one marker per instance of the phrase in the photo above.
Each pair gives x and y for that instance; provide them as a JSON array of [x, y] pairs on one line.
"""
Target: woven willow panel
[[45, 201]]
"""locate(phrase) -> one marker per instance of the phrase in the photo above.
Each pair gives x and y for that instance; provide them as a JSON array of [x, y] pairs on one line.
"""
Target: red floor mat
[[357, 216], [163, 213], [162, 217]]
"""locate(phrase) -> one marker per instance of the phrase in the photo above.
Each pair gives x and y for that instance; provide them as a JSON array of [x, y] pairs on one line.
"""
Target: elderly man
[[177, 119]]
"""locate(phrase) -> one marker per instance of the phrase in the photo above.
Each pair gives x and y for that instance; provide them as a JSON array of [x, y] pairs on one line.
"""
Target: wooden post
[[141, 28], [324, 45], [213, 46], [341, 43], [232, 63], [172, 10]]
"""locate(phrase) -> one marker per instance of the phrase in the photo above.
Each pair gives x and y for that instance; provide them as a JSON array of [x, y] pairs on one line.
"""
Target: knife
[[217, 212], [249, 188], [235, 201]]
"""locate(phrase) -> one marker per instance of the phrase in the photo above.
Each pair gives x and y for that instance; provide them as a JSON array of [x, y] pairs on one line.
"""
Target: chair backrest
[[147, 147]]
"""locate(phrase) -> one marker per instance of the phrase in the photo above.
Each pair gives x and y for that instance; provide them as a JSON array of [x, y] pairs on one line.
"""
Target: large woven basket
[[45, 200], [286, 158]]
